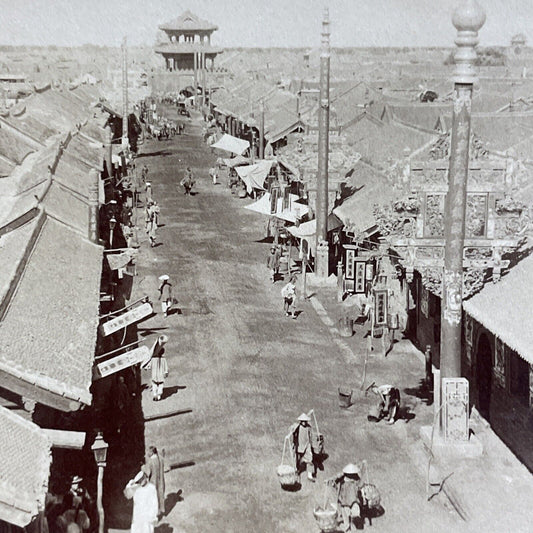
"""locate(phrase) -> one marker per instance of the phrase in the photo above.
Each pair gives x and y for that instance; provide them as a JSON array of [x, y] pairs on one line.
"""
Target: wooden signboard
[[124, 320], [124, 360], [360, 271], [380, 307]]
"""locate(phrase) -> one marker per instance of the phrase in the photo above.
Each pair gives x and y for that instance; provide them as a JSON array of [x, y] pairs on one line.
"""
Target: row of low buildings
[[58, 168], [388, 167]]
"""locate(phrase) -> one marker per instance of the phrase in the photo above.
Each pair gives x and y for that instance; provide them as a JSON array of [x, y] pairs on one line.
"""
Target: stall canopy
[[234, 161], [307, 230], [290, 214], [231, 144], [254, 175]]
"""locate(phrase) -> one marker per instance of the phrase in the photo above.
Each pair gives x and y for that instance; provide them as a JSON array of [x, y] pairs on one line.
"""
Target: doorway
[[484, 375]]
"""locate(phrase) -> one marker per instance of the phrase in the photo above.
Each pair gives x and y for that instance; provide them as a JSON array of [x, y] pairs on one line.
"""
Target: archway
[[484, 375]]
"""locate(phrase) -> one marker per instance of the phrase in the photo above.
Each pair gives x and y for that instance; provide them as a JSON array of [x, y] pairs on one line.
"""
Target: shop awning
[[254, 175], [294, 212], [231, 144], [234, 161], [307, 230]]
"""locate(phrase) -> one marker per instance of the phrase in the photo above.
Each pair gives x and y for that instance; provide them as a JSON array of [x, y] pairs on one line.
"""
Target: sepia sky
[[262, 23]]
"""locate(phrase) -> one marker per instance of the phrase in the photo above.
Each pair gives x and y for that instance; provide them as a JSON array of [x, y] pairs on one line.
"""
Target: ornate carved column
[[322, 257], [468, 19]]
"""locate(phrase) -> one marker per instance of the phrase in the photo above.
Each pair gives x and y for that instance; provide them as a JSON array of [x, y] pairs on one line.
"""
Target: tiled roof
[[39, 130], [502, 131], [502, 306], [53, 345], [25, 456], [73, 173], [369, 189], [89, 152], [14, 147], [188, 21], [422, 115], [67, 207]]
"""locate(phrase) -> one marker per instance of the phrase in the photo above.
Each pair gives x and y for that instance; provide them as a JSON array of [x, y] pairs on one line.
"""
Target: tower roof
[[188, 21]]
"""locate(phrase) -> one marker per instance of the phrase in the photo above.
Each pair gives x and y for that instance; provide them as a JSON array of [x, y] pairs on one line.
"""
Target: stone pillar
[[322, 255], [468, 19], [93, 206]]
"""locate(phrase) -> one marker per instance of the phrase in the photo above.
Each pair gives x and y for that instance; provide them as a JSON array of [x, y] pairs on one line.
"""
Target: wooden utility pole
[[322, 249], [195, 78], [468, 19], [125, 140], [262, 131]]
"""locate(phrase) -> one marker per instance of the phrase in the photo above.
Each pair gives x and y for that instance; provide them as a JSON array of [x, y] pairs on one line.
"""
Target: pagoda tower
[[189, 44]]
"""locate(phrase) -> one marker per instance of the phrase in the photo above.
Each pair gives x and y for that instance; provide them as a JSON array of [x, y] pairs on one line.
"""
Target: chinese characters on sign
[[124, 360], [380, 307], [130, 317], [360, 277], [424, 302], [455, 396]]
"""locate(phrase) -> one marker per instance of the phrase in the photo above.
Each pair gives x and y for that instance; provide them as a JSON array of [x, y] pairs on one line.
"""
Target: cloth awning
[[234, 161], [254, 175], [307, 230], [231, 144], [295, 210]]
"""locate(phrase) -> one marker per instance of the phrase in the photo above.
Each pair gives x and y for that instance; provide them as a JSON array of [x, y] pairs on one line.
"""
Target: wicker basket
[[287, 475], [326, 518], [319, 444], [370, 495]]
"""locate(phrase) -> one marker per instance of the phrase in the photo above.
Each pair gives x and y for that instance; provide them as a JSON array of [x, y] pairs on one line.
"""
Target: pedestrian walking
[[165, 294], [273, 261], [348, 485], [144, 173], [159, 366], [213, 174], [302, 440], [289, 297], [145, 504], [152, 223], [156, 475], [147, 215], [188, 181], [148, 191]]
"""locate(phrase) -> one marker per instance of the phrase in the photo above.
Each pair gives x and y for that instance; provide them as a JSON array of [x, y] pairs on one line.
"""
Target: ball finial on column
[[468, 18]]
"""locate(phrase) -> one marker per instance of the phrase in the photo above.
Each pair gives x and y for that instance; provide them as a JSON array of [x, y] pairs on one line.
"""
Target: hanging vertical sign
[[499, 362], [349, 271], [274, 194], [380, 307], [530, 385], [424, 302], [360, 271]]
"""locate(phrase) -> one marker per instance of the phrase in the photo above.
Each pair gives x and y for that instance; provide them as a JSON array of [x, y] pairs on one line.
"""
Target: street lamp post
[[99, 449]]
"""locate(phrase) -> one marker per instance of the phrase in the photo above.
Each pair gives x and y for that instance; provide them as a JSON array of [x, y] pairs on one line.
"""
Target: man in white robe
[[145, 504]]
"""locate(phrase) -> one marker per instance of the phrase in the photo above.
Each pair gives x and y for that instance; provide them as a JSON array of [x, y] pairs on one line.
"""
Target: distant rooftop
[[188, 21]]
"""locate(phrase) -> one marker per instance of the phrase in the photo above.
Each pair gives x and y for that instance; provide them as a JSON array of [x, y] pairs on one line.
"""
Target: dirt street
[[241, 373]]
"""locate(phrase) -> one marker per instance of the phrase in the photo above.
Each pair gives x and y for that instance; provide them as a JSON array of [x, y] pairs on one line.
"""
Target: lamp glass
[[99, 449]]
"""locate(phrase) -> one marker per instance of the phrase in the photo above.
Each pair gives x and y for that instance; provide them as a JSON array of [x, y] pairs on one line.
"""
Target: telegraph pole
[[125, 140], [468, 18], [322, 250]]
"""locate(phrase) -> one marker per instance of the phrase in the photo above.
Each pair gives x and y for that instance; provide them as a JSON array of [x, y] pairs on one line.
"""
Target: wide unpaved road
[[246, 372]]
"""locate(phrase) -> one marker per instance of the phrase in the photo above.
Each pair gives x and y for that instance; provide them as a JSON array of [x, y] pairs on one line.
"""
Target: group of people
[[147, 489], [350, 492]]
